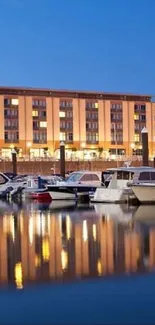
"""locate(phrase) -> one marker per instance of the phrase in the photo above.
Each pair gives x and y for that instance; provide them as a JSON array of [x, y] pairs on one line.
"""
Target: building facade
[[91, 124]]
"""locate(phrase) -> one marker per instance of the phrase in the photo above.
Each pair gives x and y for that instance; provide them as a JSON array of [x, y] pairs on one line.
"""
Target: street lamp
[[115, 136]]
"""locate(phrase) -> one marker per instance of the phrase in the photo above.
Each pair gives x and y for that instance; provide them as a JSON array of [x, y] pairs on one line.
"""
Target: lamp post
[[62, 158], [145, 147], [115, 136], [14, 161]]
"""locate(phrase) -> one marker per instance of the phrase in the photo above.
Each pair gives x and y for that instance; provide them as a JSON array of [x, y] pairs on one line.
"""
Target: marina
[[130, 185], [77, 254]]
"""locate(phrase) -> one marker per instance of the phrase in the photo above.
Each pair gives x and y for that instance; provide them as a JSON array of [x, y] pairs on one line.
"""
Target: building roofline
[[47, 92]]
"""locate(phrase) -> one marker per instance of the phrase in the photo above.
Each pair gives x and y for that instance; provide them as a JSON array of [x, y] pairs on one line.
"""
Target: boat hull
[[144, 193], [69, 192]]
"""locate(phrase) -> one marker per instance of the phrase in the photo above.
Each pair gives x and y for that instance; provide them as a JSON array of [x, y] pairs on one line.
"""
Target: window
[[43, 124], [140, 108], [91, 105], [62, 124], [62, 136], [39, 103], [42, 113], [35, 125], [69, 114], [88, 126], [11, 101], [34, 113], [152, 176], [10, 112], [86, 178], [95, 177], [116, 106], [62, 114], [136, 117], [119, 126], [92, 137], [14, 102], [144, 176], [11, 124], [11, 136], [7, 102], [39, 137], [69, 137], [66, 103], [123, 175], [94, 125], [136, 138], [69, 125], [142, 117]]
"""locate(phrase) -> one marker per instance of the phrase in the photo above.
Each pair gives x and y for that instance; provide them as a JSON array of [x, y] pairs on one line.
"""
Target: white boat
[[35, 183], [11, 184], [78, 184], [118, 182], [145, 193]]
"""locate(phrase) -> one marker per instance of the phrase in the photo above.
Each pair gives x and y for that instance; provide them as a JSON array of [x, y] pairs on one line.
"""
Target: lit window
[[136, 137], [35, 113], [136, 117], [61, 114], [15, 102], [96, 105], [43, 124], [62, 136]]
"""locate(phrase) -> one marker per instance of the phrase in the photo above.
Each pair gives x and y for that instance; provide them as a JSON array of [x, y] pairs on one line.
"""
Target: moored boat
[[78, 184], [118, 184]]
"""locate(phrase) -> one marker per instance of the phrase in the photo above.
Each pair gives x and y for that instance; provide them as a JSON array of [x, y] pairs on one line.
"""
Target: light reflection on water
[[43, 243]]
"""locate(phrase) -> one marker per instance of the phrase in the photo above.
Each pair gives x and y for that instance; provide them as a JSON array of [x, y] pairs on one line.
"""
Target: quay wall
[[45, 167]]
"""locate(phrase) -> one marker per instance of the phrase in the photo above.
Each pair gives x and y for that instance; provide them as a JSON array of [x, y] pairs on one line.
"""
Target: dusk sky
[[102, 45]]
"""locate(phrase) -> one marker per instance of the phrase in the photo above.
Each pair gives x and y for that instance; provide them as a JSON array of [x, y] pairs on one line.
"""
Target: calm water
[[48, 243]]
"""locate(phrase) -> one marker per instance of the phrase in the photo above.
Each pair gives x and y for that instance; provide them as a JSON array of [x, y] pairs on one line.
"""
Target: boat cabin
[[85, 177], [127, 175]]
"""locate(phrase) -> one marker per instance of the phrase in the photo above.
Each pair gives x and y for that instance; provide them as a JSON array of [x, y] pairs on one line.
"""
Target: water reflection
[[38, 244]]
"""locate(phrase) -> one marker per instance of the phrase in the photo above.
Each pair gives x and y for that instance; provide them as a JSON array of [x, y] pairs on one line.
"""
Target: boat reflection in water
[[38, 244]]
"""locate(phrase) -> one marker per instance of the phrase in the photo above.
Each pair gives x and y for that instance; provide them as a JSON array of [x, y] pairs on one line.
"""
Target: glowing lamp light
[[29, 144]]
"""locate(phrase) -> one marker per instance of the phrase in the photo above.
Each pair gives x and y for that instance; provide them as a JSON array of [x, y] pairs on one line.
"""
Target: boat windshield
[[74, 177]]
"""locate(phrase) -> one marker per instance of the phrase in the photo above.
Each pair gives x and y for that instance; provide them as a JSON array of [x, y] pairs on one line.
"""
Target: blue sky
[[104, 45]]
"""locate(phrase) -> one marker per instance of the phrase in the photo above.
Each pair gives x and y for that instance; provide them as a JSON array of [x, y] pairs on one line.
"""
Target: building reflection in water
[[39, 246]]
